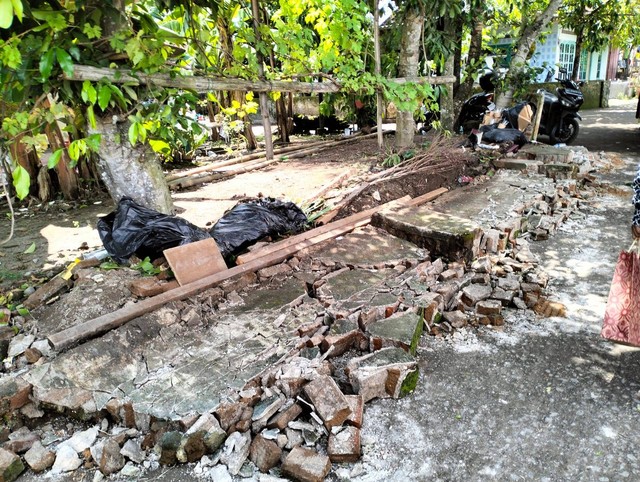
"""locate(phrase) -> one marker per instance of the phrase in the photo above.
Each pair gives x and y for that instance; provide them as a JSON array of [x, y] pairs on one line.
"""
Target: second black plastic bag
[[135, 229], [247, 223]]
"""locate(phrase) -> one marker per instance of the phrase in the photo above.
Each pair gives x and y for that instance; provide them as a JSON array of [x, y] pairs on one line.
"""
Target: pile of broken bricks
[[304, 413]]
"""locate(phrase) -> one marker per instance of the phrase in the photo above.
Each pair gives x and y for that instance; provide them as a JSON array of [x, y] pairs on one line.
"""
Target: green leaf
[[93, 142], [6, 13], [133, 133], [109, 265], [17, 8], [46, 63], [21, 182], [30, 249], [65, 61], [22, 311], [104, 96], [159, 146], [54, 159], [91, 117], [89, 93]]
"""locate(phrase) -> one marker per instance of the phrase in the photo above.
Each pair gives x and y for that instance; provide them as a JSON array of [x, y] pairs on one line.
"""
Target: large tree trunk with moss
[[530, 34], [408, 65], [130, 171]]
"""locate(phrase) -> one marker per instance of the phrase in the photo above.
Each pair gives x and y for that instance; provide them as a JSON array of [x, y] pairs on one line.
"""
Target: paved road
[[545, 399]]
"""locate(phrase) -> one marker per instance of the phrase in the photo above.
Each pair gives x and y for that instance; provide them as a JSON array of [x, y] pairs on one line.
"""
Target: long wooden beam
[[202, 84], [102, 324]]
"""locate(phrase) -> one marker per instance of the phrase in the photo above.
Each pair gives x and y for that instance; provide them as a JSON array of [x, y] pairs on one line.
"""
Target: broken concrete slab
[[444, 235], [401, 330], [366, 248]]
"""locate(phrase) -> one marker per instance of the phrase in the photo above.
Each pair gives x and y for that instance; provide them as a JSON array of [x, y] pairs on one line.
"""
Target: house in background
[[558, 50]]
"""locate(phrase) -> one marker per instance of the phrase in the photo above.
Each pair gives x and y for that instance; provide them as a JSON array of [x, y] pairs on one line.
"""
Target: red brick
[[356, 403], [264, 453], [344, 446], [306, 465], [328, 400], [14, 394], [145, 287], [282, 419]]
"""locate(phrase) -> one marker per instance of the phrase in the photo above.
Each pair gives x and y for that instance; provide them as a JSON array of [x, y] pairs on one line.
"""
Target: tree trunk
[[475, 52], [130, 171], [576, 59], [527, 39], [67, 176], [408, 65]]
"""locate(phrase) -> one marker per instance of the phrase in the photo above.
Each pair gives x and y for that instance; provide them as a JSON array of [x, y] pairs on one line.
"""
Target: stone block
[[11, 466], [390, 372], [265, 454], [264, 410], [192, 447], [509, 283], [344, 446], [402, 330], [169, 445], [328, 400], [14, 393], [456, 319], [133, 451], [443, 235], [271, 271], [489, 307], [235, 451], [6, 334], [505, 297], [356, 403], [229, 414], [111, 460], [51, 288], [342, 335], [67, 459], [490, 242], [281, 420], [39, 458], [429, 303], [306, 465], [474, 293], [448, 291], [20, 441]]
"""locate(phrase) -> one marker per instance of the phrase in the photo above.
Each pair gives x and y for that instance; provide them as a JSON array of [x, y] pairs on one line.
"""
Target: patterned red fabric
[[622, 315]]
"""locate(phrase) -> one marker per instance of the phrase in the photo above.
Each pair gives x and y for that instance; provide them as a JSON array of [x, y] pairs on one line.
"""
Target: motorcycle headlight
[[565, 103]]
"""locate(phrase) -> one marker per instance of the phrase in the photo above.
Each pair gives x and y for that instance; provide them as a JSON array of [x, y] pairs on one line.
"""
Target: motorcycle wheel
[[570, 131]]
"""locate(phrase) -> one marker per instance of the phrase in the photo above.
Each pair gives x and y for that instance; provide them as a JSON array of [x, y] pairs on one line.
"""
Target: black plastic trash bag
[[247, 223], [134, 229], [493, 135]]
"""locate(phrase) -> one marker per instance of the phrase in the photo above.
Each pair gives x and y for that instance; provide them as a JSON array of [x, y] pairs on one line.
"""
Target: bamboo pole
[[376, 44], [538, 118], [202, 84], [264, 102]]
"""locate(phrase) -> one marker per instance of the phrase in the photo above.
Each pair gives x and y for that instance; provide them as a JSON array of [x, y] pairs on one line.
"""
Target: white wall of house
[[558, 49]]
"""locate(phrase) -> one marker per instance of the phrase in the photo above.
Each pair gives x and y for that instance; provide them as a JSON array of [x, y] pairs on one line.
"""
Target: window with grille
[[567, 54], [583, 65]]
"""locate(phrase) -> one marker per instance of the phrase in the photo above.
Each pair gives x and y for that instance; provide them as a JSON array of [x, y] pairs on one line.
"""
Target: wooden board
[[195, 261]]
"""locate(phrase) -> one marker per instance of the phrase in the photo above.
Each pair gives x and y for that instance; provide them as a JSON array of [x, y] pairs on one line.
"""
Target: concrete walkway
[[542, 399]]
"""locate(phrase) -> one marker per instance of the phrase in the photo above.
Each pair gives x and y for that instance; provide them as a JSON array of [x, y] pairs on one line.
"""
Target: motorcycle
[[475, 107], [560, 112]]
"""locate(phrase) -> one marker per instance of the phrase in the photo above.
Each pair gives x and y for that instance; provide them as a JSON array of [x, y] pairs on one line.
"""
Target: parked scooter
[[560, 112], [476, 106]]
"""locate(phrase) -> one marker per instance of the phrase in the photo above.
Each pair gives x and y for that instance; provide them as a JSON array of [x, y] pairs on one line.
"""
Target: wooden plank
[[285, 249], [328, 217], [330, 185], [193, 261]]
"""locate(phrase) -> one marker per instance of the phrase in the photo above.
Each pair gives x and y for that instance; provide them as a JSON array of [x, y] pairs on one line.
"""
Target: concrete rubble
[[270, 372]]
